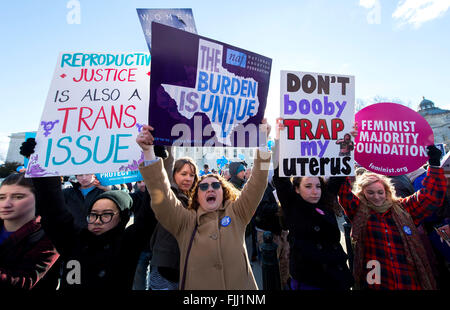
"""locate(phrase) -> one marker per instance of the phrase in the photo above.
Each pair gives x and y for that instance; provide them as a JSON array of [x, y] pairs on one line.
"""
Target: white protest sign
[[318, 112], [96, 105]]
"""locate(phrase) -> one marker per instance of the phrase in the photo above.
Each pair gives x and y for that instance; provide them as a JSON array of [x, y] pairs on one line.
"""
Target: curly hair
[[229, 191], [369, 178]]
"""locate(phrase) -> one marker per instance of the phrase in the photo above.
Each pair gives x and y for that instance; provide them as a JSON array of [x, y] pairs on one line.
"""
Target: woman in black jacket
[[317, 260], [103, 255]]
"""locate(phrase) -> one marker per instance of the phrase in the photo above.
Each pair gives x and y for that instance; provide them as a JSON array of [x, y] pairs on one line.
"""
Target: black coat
[[77, 204], [267, 215], [105, 261], [316, 255]]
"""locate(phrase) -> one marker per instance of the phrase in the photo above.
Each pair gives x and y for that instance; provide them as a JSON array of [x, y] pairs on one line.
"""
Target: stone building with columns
[[439, 121]]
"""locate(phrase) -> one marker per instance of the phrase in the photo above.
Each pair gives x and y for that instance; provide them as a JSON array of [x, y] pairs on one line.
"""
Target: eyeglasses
[[204, 186], [104, 217]]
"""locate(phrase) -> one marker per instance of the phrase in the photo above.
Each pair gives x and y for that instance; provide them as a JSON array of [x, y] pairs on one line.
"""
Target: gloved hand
[[161, 151], [435, 155], [27, 147]]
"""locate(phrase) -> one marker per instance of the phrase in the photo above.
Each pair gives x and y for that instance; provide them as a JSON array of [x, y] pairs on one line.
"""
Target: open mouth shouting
[[210, 194], [211, 198]]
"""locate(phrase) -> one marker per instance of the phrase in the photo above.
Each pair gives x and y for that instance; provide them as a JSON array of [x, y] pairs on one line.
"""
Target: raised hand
[[434, 155], [145, 139]]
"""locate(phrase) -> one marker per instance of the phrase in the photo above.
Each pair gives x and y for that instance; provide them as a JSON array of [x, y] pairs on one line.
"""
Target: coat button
[[319, 246], [340, 268], [317, 228], [101, 274], [213, 236], [218, 266]]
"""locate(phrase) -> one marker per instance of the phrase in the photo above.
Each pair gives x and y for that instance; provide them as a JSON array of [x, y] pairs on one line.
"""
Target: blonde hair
[[369, 178]]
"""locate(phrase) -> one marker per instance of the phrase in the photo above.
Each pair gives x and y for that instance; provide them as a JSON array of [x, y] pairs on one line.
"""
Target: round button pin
[[407, 230], [225, 221]]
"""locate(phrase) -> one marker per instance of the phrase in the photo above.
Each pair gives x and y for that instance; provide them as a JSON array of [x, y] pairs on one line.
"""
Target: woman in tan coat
[[213, 226]]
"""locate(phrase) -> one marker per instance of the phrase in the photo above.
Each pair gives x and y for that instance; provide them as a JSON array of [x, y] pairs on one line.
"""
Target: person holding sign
[[388, 250], [26, 252], [317, 260], [210, 233], [103, 255]]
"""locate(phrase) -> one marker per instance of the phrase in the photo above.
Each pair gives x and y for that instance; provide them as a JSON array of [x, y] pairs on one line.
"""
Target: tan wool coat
[[218, 258]]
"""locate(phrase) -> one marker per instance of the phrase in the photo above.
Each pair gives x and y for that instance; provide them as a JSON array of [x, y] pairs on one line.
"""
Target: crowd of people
[[183, 228]]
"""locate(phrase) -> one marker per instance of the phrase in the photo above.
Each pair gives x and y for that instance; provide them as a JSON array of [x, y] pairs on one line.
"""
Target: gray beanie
[[120, 198]]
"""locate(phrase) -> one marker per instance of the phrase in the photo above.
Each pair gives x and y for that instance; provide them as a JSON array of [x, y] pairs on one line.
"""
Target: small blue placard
[[236, 58], [113, 178]]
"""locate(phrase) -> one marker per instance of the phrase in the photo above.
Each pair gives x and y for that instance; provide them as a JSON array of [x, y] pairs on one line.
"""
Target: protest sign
[[392, 139], [178, 18], [96, 105], [122, 177], [318, 113], [204, 92]]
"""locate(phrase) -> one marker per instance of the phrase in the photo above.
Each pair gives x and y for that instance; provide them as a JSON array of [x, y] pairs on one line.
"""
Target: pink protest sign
[[392, 139]]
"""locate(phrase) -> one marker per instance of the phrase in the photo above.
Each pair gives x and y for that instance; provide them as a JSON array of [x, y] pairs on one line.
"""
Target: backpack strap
[[183, 281]]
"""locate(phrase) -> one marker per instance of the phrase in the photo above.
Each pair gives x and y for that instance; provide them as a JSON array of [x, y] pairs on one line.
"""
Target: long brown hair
[[327, 200], [229, 191], [179, 164]]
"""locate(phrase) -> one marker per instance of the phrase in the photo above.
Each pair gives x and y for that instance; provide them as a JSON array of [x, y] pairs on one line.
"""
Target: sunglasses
[[204, 186]]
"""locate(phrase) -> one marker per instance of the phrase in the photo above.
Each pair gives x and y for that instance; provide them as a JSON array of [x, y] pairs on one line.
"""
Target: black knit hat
[[120, 198]]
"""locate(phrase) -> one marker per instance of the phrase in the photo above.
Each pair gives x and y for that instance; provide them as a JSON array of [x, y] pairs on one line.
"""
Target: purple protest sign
[[204, 92], [392, 139]]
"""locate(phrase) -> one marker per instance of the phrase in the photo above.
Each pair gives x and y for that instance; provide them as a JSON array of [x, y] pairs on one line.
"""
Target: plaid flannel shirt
[[383, 241]]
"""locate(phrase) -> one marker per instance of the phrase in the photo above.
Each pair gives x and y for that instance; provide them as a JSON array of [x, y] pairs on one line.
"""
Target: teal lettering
[[58, 144], [65, 59], [88, 151], [49, 151], [118, 147], [110, 151], [126, 60], [75, 59]]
